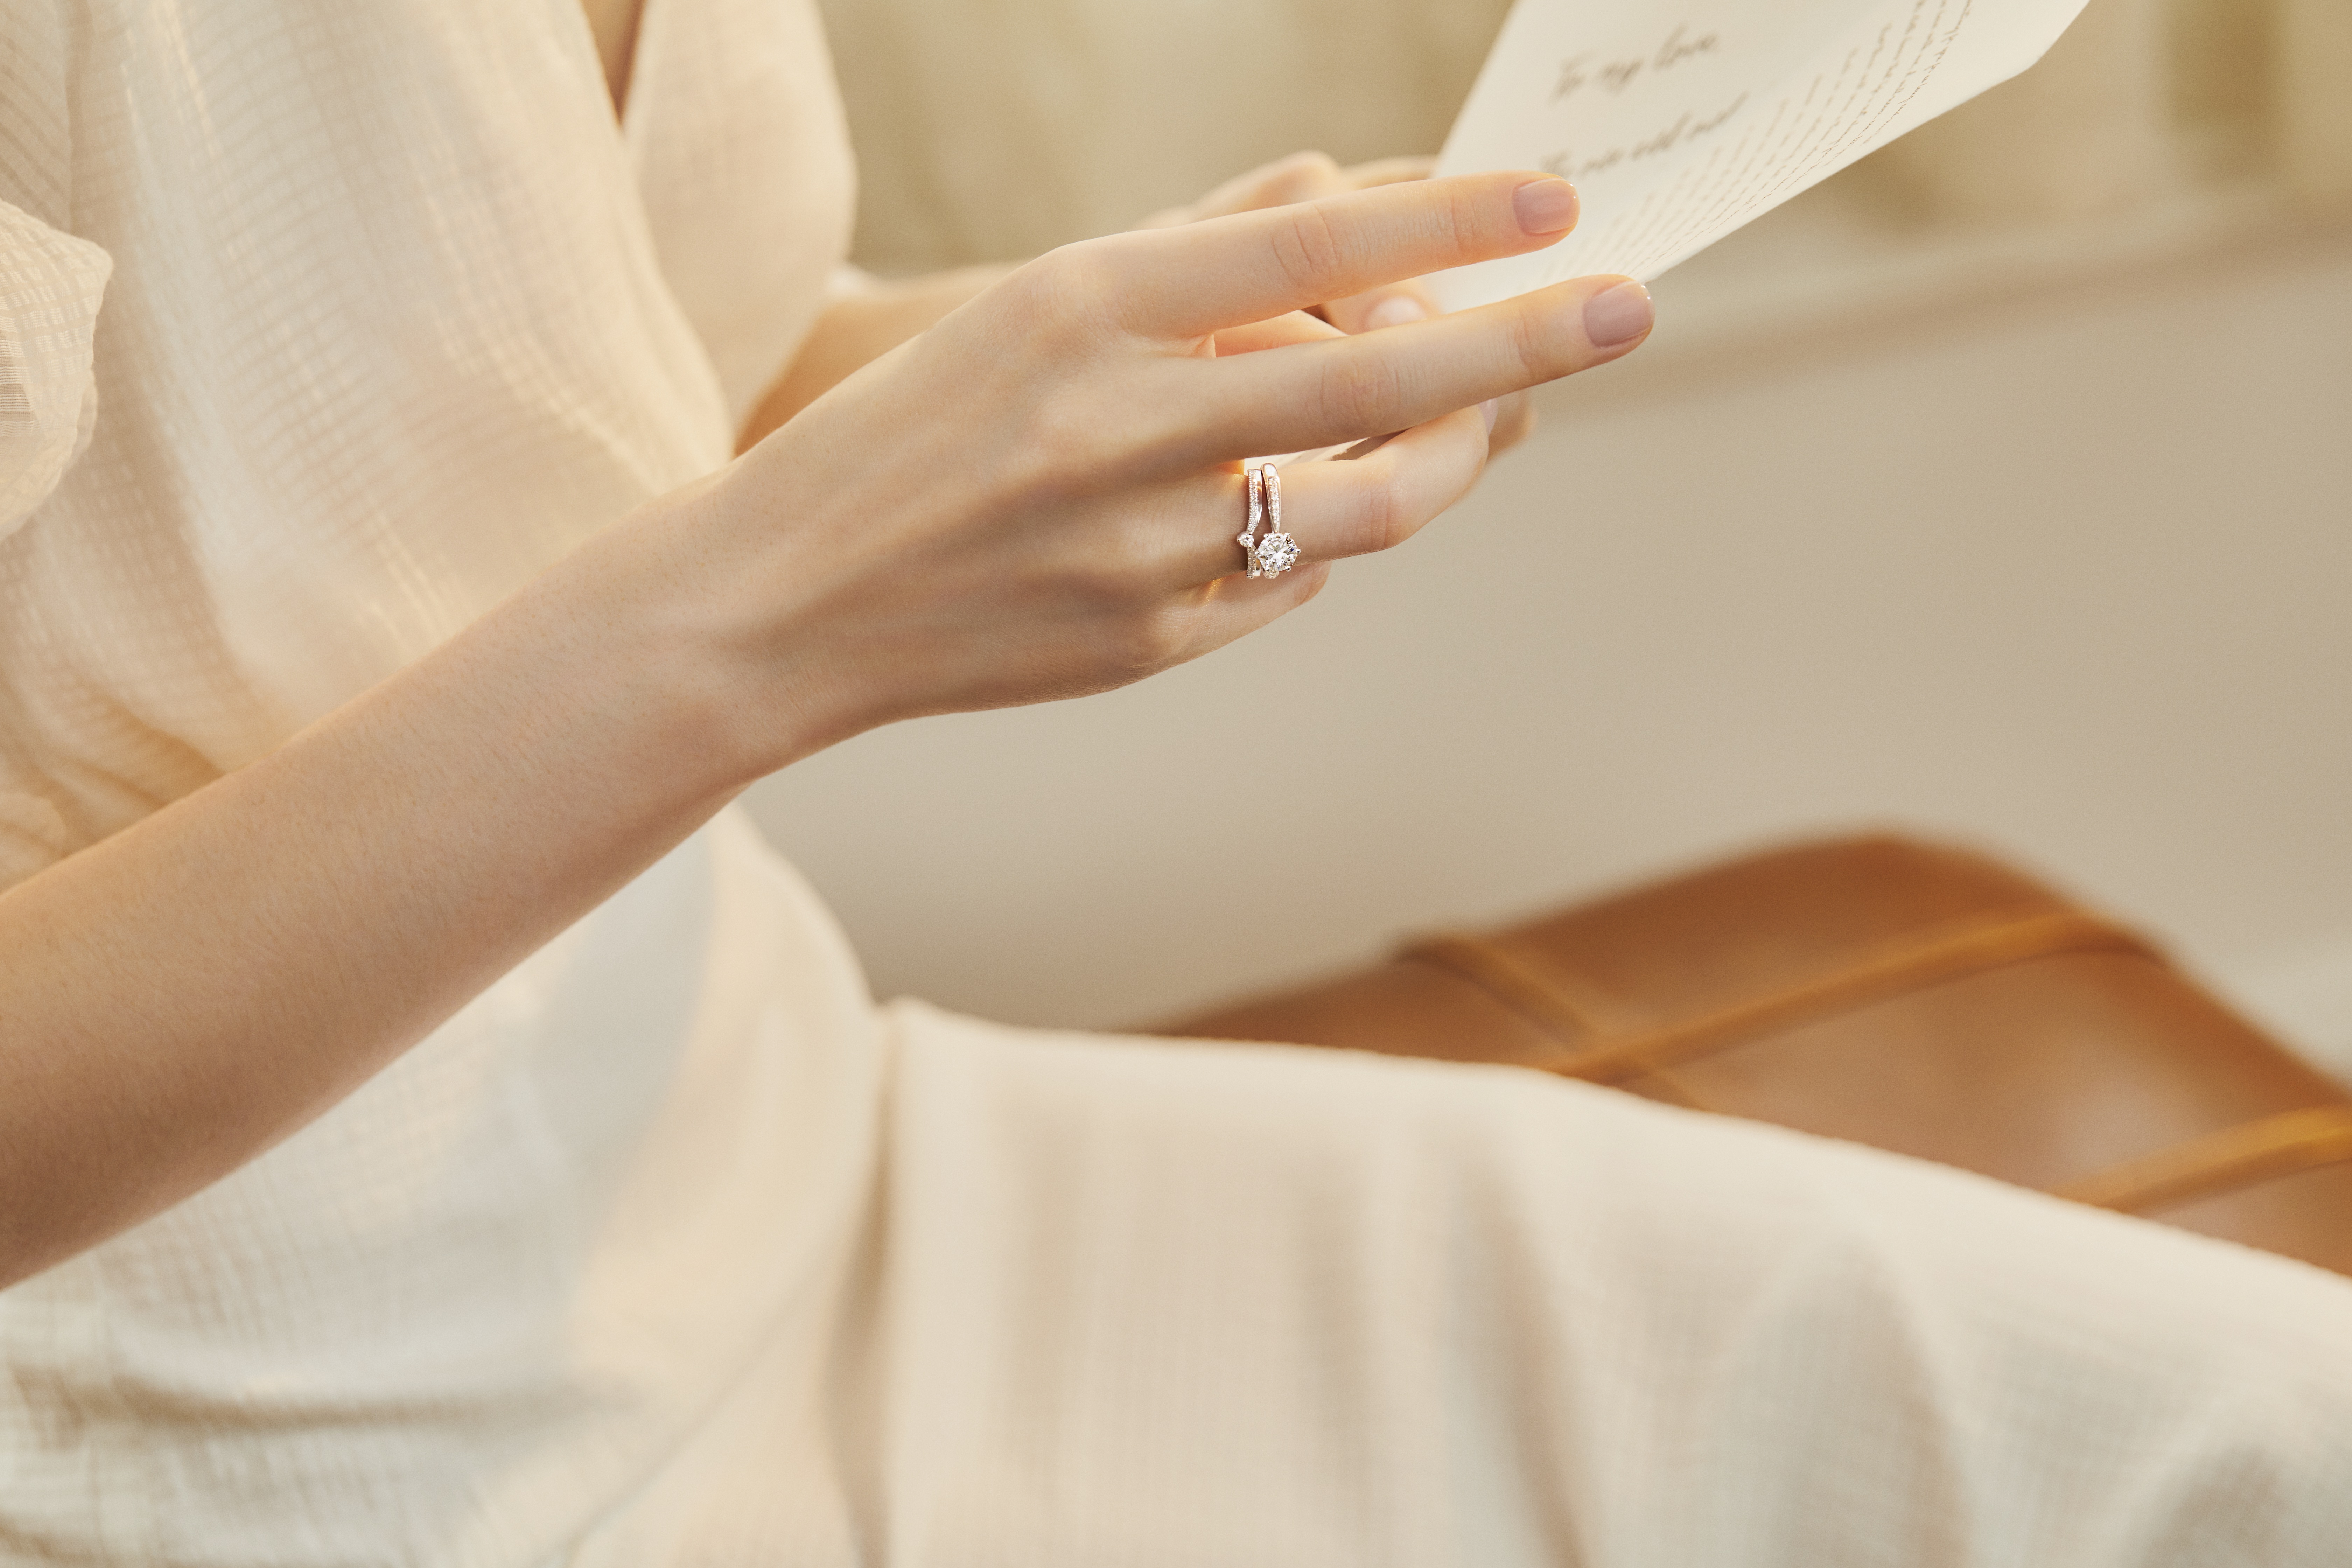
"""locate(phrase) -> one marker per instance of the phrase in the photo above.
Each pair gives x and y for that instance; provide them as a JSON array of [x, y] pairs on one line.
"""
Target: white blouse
[[385, 314], [322, 329]]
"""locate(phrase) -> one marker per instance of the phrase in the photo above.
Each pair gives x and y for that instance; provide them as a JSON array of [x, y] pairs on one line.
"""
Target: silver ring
[[1278, 553]]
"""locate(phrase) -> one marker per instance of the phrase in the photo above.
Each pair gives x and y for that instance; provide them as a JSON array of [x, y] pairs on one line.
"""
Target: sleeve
[[50, 286]]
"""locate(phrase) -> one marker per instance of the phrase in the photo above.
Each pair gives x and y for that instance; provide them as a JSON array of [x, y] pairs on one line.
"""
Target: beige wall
[[2058, 560], [994, 129]]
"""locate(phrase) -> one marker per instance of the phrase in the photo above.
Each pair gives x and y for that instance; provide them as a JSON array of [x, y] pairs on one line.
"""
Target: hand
[[1038, 497], [1035, 497], [1305, 177]]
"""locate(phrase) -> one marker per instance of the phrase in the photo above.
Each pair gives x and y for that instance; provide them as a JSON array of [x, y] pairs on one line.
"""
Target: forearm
[[855, 329], [182, 994]]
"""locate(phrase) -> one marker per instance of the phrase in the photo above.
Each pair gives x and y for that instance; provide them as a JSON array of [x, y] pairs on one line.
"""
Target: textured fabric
[[383, 325], [670, 1248], [390, 329], [1144, 1303]]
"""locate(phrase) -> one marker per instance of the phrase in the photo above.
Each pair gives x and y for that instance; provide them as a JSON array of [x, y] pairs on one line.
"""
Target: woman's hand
[[1305, 177], [860, 327], [1035, 497], [1038, 497]]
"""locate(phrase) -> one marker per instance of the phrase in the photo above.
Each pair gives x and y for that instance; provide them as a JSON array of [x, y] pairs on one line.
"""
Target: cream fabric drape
[[670, 1248]]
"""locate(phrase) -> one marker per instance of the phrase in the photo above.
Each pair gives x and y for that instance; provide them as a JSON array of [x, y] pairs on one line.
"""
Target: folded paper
[[1679, 120]]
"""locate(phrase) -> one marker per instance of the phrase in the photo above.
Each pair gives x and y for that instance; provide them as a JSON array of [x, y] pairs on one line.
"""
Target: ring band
[[1247, 537], [1278, 553]]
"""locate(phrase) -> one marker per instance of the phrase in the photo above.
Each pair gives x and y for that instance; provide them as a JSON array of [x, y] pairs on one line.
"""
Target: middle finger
[[1315, 395]]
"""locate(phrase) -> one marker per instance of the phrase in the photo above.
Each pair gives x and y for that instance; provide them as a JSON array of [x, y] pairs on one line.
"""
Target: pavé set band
[[1278, 553]]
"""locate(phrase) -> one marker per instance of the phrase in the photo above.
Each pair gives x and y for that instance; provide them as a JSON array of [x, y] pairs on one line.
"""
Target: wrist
[[705, 659]]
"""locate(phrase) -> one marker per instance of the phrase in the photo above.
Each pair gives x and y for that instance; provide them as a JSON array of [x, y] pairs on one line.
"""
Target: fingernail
[[1490, 408], [1395, 311], [1545, 207], [1618, 315]]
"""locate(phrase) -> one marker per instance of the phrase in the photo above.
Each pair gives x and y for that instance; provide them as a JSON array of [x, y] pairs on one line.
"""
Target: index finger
[[1220, 272]]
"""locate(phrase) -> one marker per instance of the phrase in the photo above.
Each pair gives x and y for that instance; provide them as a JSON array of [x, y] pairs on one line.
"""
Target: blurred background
[[1998, 488]]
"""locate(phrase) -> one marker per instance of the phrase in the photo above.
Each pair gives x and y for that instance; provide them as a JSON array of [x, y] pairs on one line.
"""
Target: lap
[[1154, 1302]]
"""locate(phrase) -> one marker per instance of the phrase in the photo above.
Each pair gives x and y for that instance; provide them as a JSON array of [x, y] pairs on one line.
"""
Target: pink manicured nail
[[1618, 315], [1395, 311], [1490, 408], [1545, 207]]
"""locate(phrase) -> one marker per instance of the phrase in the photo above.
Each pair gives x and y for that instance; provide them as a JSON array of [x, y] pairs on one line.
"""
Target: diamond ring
[[1278, 553]]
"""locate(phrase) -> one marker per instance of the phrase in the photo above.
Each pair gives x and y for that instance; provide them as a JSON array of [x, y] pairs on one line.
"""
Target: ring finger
[[1329, 510]]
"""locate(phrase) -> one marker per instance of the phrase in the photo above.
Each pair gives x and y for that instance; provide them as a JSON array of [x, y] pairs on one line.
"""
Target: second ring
[[1276, 552]]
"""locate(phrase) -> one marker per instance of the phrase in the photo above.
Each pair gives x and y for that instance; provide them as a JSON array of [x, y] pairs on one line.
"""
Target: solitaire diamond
[[1277, 553]]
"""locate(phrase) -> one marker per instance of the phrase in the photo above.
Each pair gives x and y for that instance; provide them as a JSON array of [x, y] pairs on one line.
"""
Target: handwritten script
[[1616, 76], [1680, 121]]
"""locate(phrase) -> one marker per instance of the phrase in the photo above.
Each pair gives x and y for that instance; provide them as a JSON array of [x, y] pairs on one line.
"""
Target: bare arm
[[179, 996], [1034, 500]]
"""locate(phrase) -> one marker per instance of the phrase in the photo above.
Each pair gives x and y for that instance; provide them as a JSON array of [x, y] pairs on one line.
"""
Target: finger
[[1303, 176], [1233, 607], [1333, 511], [1395, 305], [1399, 303], [1297, 327], [1317, 394], [1329, 510], [1296, 178], [1180, 284], [1514, 422], [1388, 172]]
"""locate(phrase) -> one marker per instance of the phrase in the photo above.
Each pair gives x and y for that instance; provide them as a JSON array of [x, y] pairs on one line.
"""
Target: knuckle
[[1091, 434], [1535, 349], [1460, 219], [1060, 444], [1115, 577], [1379, 513], [1308, 249], [1145, 643], [1073, 286], [1389, 519]]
